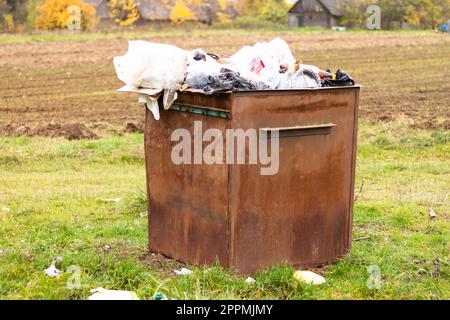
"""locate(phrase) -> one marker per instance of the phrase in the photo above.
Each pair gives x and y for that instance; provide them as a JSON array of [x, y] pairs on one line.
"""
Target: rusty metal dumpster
[[232, 214]]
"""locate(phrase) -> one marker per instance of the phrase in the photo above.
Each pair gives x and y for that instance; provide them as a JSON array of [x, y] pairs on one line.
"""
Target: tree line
[[28, 15]]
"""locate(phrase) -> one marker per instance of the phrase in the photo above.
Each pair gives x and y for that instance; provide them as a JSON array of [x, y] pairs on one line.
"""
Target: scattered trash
[[143, 214], [153, 70], [250, 280], [52, 271], [2, 252], [422, 272], [159, 296], [309, 277], [444, 28], [340, 29], [6, 209], [104, 294], [362, 238], [432, 214], [437, 269], [106, 248], [117, 200], [183, 272]]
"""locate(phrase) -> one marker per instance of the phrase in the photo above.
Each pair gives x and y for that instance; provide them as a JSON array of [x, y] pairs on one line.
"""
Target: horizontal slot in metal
[[299, 131]]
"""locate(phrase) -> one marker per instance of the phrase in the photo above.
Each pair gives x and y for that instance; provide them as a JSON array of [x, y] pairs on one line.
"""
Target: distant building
[[314, 13], [159, 10]]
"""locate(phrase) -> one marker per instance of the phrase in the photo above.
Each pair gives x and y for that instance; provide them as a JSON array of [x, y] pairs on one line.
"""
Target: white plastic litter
[[152, 65], [277, 49], [263, 61], [309, 277], [52, 271], [199, 71], [183, 272], [250, 280], [153, 69], [117, 200], [306, 77], [152, 105], [6, 209], [255, 66], [143, 214], [104, 294], [169, 98]]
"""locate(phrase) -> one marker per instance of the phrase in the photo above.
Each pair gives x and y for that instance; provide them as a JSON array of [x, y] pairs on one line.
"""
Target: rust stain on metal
[[230, 213]]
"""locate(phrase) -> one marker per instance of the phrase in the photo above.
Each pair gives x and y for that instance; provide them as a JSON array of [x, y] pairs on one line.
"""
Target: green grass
[[174, 31], [55, 190]]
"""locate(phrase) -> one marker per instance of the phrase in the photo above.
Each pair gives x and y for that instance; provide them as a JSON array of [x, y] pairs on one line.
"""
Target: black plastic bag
[[343, 79], [229, 80]]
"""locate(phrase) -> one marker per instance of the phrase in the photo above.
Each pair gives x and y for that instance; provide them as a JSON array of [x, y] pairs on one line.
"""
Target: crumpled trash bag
[[264, 62], [52, 271], [152, 65], [104, 294], [200, 68], [341, 79], [306, 77], [183, 272], [309, 277], [229, 80]]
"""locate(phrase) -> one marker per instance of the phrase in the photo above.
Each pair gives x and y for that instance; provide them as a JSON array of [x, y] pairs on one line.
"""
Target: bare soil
[[67, 88]]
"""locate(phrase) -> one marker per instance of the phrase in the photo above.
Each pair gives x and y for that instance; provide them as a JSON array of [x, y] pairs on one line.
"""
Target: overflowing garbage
[[156, 70]]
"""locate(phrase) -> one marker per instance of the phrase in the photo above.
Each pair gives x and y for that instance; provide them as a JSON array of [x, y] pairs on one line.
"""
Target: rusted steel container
[[231, 213]]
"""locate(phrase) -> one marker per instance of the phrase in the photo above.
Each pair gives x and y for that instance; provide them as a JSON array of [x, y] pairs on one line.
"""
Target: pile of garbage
[[154, 69]]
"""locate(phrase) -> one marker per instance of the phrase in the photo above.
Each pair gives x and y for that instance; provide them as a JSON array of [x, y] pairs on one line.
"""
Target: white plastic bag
[[152, 65], [278, 50], [199, 71], [306, 77], [104, 294], [263, 61]]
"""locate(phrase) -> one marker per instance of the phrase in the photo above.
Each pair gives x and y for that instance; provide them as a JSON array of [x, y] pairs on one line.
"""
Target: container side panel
[[188, 203], [301, 214]]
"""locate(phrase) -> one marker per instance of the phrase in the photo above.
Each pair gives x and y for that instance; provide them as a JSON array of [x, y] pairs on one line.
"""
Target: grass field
[[54, 192]]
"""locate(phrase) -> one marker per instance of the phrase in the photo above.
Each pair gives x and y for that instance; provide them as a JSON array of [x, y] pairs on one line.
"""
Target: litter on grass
[[309, 277], [432, 214], [160, 296], [183, 272], [116, 200], [52, 271], [250, 280], [143, 214], [104, 294], [157, 72]]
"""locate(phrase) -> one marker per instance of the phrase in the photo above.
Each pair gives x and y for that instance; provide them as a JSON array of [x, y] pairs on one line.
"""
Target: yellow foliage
[[180, 12], [57, 14], [9, 22], [124, 12], [222, 17]]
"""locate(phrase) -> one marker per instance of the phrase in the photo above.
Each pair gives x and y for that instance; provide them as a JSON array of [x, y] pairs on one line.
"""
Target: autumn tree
[[181, 12], [124, 12], [396, 13], [270, 10], [58, 14]]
